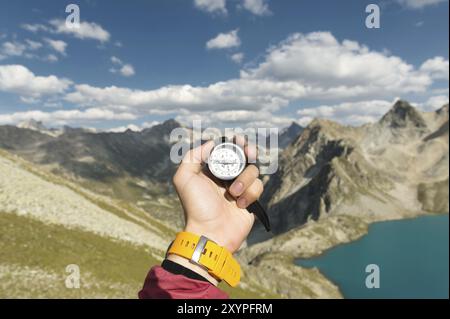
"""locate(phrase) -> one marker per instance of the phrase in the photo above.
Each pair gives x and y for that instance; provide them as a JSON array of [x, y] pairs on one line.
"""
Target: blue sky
[[267, 63]]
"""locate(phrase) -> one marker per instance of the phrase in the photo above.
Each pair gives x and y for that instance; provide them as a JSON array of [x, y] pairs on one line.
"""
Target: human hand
[[210, 208]]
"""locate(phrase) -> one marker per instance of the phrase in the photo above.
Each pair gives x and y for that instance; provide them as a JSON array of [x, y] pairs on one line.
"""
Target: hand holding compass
[[212, 206], [226, 162]]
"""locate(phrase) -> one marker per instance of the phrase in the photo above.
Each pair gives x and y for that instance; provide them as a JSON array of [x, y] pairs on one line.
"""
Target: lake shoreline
[[370, 225], [315, 261], [308, 242]]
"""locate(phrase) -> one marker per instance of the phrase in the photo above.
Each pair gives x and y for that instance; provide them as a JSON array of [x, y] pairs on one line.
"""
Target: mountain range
[[333, 180], [385, 170]]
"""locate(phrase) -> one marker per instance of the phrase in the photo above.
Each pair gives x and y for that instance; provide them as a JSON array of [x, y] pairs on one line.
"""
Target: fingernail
[[237, 188], [242, 202]]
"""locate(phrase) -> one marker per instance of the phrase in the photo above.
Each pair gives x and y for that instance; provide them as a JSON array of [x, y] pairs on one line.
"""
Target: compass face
[[227, 161]]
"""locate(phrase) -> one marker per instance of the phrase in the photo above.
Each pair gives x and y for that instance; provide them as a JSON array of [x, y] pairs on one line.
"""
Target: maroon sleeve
[[161, 284]]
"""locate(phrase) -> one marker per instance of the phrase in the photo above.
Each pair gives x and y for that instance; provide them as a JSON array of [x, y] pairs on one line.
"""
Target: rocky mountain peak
[[38, 126], [332, 167], [289, 134], [32, 124], [294, 128], [162, 129], [170, 124], [326, 128], [403, 115]]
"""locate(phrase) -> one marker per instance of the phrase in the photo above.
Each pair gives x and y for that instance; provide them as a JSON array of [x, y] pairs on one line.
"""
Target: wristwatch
[[201, 251], [227, 161]]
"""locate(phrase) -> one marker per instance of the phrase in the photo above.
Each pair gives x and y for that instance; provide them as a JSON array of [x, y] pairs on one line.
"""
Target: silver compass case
[[227, 161]]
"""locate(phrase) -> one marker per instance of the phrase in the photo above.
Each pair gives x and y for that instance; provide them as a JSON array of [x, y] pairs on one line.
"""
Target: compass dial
[[227, 161]]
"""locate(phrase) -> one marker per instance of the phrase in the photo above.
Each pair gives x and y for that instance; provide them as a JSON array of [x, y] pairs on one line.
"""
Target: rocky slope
[[25, 194], [271, 263], [379, 171], [130, 166]]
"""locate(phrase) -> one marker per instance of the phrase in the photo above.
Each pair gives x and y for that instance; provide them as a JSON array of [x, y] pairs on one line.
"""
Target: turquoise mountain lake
[[412, 255]]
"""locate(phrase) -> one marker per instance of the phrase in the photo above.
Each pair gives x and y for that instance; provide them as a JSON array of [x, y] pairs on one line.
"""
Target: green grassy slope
[[34, 256], [108, 268]]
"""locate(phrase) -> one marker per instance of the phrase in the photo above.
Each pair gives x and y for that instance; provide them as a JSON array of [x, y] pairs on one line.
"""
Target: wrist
[[215, 235], [195, 268]]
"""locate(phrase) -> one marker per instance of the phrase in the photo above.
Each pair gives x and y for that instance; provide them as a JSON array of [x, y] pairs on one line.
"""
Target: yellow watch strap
[[219, 262]]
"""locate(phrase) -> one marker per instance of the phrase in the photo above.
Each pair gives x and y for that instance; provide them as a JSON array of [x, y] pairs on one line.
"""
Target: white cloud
[[18, 79], [251, 95], [52, 104], [121, 129], [33, 45], [211, 6], [65, 116], [13, 48], [353, 113], [434, 103], [437, 68], [149, 124], [305, 120], [235, 118], [127, 70], [224, 41], [440, 91], [419, 4], [133, 127], [35, 27], [57, 45], [419, 24], [337, 69], [237, 57], [29, 49], [86, 30], [51, 58], [116, 60], [26, 49], [257, 7], [29, 100], [314, 66]]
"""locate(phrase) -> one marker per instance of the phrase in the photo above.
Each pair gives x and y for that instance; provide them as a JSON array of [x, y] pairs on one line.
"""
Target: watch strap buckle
[[198, 251]]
